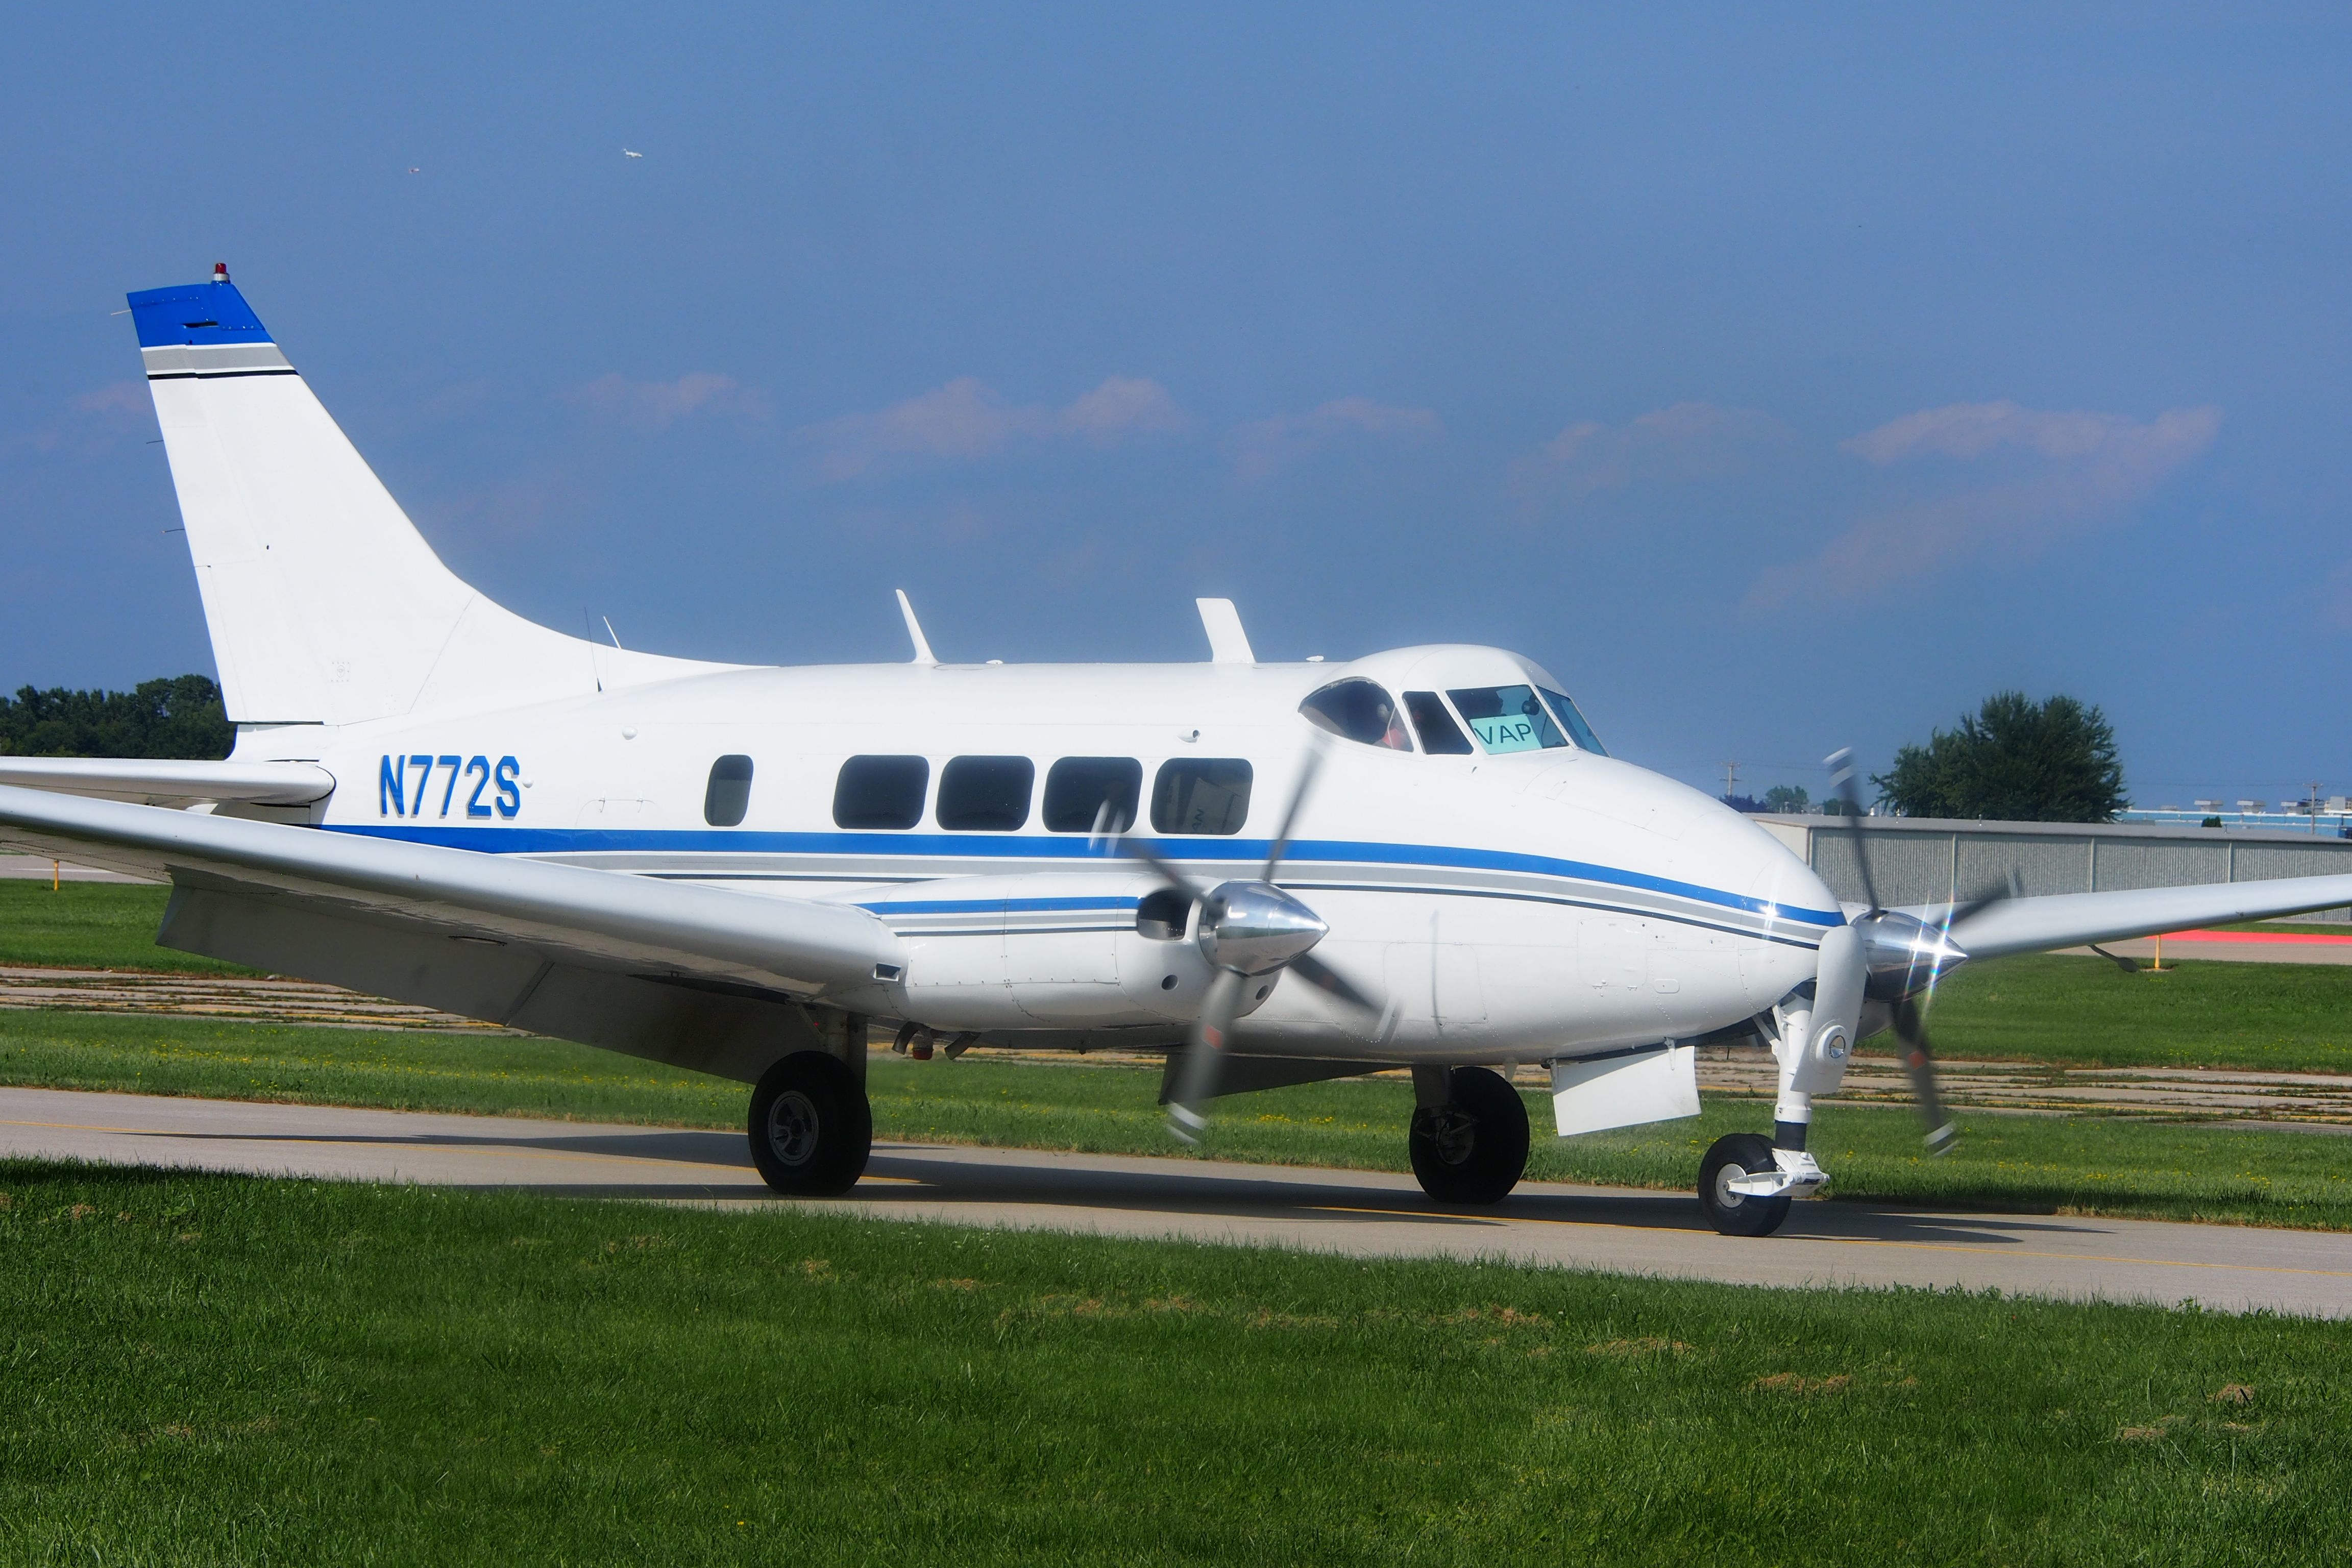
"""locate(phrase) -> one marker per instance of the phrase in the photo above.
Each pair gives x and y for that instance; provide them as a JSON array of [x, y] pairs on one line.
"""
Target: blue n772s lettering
[[403, 785]]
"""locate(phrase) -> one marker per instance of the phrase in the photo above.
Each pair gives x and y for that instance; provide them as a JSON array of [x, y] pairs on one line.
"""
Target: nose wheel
[[1733, 1213], [1474, 1148]]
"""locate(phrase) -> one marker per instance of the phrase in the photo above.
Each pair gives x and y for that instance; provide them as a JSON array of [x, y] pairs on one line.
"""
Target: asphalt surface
[[2227, 1268]]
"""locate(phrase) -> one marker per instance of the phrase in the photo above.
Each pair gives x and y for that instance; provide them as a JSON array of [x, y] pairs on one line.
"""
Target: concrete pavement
[[2228, 1267]]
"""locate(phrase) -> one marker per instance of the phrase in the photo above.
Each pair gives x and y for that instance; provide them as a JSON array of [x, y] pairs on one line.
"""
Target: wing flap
[[600, 919]]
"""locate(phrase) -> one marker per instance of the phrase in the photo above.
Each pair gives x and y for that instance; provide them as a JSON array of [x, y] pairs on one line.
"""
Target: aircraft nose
[[1766, 864], [1780, 879]]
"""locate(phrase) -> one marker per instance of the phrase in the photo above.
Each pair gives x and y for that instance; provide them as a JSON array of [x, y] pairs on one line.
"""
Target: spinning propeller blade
[[1205, 1058], [1909, 1017], [1919, 1061]]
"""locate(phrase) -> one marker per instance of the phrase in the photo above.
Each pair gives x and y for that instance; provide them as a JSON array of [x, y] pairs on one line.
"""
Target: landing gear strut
[[1473, 1147], [811, 1126]]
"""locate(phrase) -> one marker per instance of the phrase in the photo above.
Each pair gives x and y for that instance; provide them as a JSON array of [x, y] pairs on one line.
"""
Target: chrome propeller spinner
[[1248, 928]]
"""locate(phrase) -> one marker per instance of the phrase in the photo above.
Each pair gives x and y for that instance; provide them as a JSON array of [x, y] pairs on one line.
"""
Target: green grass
[[210, 1369], [2091, 1164], [92, 925], [416, 1069], [2280, 1017]]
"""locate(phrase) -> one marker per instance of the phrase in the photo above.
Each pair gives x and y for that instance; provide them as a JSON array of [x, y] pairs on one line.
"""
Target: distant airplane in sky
[[626, 153]]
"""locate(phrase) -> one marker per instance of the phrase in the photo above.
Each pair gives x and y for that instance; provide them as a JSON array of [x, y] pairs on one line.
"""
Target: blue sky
[[1780, 378]]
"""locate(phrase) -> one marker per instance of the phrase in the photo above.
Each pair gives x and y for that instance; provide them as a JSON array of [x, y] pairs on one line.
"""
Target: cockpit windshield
[[1507, 718], [1359, 710], [1565, 712]]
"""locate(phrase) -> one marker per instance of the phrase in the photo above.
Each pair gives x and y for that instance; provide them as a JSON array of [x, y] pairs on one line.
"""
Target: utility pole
[[1731, 776], [2314, 808]]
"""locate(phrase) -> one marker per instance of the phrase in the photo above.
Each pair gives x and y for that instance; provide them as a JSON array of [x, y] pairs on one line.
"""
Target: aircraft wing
[[408, 897], [2071, 920], [153, 782]]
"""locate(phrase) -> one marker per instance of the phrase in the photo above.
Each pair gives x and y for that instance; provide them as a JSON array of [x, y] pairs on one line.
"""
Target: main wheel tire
[[1473, 1150], [1730, 1157], [812, 1127]]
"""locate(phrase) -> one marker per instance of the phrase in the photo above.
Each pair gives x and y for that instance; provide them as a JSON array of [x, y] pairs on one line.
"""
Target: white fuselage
[[1521, 905]]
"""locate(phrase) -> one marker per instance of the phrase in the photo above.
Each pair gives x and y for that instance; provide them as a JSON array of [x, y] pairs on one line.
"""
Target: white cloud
[[1989, 479], [656, 404], [1976, 429], [1266, 445], [115, 397], [94, 422], [966, 418], [1682, 441]]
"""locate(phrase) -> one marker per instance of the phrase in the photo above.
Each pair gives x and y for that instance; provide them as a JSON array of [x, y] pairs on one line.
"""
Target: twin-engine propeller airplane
[[1276, 873]]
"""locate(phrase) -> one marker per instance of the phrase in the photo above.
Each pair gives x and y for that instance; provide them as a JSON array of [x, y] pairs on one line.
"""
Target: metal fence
[[1924, 860]]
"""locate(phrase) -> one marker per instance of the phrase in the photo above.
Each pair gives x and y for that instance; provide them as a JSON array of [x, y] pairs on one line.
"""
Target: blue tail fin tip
[[195, 313]]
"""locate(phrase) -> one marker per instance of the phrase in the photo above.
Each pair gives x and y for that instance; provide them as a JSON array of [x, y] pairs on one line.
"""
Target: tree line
[[178, 717], [2013, 760]]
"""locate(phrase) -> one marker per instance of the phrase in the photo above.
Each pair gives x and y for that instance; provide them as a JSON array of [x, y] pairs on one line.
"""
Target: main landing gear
[[1469, 1136], [811, 1126]]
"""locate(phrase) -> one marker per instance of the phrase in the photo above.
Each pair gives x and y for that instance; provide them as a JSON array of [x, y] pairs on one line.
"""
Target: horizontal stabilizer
[[171, 782]]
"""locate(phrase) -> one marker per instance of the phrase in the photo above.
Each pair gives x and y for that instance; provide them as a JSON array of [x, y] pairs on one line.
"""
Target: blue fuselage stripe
[[992, 906], [1010, 847]]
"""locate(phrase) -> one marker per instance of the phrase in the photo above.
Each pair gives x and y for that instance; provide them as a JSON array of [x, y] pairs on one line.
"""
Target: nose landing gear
[[1471, 1148], [1730, 1161]]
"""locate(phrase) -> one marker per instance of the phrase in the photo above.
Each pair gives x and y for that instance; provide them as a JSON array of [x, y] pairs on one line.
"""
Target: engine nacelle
[[1046, 950]]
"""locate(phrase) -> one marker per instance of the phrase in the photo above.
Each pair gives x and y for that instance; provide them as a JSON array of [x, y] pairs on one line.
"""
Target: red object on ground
[[2318, 939]]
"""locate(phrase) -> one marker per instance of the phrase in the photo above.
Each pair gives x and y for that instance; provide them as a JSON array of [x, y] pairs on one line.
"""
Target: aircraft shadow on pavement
[[940, 1177], [1181, 1192], [684, 1144]]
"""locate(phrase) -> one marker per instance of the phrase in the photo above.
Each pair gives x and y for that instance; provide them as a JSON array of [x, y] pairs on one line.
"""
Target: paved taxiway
[[2229, 1267]]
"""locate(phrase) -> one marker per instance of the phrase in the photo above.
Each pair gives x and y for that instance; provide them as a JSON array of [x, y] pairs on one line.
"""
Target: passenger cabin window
[[880, 791], [1507, 717], [1205, 795], [1084, 795], [729, 796], [985, 794], [1359, 710], [1440, 735], [1565, 712]]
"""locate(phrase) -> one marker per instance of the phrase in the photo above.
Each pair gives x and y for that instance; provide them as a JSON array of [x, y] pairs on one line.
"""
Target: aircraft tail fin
[[325, 605]]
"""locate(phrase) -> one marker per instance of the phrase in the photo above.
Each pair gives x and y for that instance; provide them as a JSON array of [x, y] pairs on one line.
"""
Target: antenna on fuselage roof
[[923, 654], [1228, 643]]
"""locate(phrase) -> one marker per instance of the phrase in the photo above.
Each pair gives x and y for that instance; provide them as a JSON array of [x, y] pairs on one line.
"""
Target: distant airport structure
[[2332, 817], [1924, 860]]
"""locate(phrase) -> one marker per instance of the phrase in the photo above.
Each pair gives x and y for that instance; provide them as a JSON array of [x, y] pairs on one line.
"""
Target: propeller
[[1906, 956], [1248, 928]]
